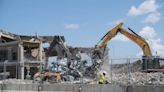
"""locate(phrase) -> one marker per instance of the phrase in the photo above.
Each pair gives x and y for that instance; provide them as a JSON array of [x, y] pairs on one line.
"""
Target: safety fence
[[129, 71]]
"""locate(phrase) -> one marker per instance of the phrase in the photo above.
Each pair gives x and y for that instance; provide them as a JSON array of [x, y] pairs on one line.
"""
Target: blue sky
[[84, 22]]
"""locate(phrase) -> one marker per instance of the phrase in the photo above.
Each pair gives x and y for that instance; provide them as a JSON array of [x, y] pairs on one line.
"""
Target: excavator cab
[[150, 64]]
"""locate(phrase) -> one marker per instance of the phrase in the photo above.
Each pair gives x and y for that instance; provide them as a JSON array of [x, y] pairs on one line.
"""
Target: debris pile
[[84, 67], [127, 67], [139, 78], [71, 64]]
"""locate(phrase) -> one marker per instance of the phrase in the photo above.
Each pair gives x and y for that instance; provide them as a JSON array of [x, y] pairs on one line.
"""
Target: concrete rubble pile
[[84, 68], [124, 68], [138, 78], [75, 63]]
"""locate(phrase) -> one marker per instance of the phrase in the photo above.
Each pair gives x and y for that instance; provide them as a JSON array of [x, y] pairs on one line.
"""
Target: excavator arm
[[138, 40], [105, 39], [131, 35]]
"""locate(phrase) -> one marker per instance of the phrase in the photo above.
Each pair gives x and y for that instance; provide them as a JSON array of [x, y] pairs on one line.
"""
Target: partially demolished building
[[22, 56], [18, 53]]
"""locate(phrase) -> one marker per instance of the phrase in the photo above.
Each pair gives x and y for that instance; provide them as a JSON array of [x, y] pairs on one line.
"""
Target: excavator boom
[[138, 40], [110, 35], [141, 42]]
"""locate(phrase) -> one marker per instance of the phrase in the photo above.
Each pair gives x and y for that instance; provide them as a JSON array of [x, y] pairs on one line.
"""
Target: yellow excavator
[[150, 63]]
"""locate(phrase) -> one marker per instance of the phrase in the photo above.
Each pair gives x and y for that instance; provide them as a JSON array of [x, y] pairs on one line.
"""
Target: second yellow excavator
[[149, 61]]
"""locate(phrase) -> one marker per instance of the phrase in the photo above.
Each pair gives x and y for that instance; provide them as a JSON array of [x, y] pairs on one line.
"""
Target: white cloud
[[148, 32], [121, 38], [148, 6], [152, 18], [154, 41], [72, 26]]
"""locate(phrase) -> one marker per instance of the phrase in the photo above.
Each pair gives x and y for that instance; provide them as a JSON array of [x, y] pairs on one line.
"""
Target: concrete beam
[[9, 43]]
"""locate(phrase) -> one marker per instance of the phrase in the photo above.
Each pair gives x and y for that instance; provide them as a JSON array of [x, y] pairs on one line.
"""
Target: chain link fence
[[128, 71]]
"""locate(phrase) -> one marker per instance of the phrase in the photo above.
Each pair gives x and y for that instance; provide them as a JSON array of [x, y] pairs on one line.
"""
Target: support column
[[40, 50], [21, 61], [28, 76], [9, 54]]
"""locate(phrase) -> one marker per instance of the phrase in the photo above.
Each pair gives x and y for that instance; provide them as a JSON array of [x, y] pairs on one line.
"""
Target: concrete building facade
[[18, 53]]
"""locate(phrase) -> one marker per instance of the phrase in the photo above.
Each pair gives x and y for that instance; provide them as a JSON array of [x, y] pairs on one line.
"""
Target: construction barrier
[[78, 88]]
